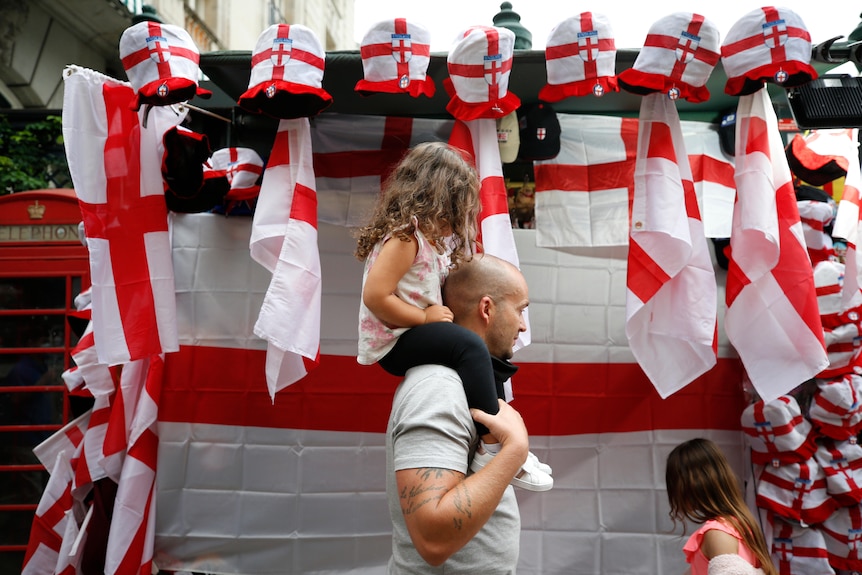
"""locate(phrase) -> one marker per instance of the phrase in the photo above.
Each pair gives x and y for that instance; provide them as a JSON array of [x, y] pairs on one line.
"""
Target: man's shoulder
[[431, 380]]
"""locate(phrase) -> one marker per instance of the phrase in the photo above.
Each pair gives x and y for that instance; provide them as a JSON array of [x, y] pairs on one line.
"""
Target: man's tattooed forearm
[[428, 490]]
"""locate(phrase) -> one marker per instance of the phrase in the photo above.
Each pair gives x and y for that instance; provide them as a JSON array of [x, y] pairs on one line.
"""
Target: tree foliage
[[32, 156]]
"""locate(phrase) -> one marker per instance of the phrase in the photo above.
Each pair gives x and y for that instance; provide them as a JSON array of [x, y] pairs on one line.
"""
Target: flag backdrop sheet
[[249, 486], [584, 194]]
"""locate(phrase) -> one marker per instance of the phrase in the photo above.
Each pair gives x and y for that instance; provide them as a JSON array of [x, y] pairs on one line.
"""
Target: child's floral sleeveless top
[[420, 286]]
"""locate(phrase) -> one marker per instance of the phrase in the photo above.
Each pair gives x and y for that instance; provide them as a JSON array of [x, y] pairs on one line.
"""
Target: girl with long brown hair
[[425, 222], [702, 488]]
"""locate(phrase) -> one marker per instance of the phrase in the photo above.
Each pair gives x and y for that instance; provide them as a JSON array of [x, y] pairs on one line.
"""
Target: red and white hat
[[842, 532], [677, 58], [161, 61], [777, 432], [395, 57], [766, 45], [286, 74], [796, 491], [242, 168], [841, 327], [836, 409], [479, 67], [581, 58], [797, 549], [841, 461]]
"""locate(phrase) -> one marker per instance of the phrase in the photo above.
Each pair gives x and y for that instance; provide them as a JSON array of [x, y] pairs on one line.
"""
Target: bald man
[[445, 520]]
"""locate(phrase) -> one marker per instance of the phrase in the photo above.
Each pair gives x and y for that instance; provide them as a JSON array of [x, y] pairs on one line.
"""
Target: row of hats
[[767, 45]]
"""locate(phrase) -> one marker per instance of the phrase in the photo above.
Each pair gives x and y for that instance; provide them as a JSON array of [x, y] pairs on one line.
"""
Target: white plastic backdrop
[[248, 487]]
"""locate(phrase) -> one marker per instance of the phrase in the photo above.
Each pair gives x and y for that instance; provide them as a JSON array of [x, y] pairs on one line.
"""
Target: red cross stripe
[[159, 50], [773, 38], [124, 220], [356, 163], [399, 51]]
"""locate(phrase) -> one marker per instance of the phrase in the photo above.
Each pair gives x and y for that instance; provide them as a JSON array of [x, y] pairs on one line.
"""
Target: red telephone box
[[43, 266]]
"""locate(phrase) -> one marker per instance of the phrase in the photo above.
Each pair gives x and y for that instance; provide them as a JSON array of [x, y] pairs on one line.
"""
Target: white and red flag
[[844, 144], [478, 140], [284, 241], [583, 196], [772, 317], [671, 291], [350, 170], [114, 157], [130, 538]]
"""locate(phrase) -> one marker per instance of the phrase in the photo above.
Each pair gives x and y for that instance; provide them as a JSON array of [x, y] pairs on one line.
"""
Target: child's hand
[[434, 313]]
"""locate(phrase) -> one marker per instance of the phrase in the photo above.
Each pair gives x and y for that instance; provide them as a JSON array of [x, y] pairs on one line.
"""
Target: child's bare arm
[[393, 261]]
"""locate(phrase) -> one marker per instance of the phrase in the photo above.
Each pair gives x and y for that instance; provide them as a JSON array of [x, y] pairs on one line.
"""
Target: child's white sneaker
[[530, 477]]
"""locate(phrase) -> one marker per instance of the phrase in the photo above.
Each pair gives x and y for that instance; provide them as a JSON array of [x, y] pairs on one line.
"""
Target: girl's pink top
[[699, 562]]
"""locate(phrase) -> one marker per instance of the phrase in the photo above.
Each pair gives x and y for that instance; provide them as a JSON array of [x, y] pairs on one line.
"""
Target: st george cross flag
[[671, 298], [583, 196], [130, 539], [478, 139], [844, 144], [772, 317], [350, 170], [284, 241], [114, 158]]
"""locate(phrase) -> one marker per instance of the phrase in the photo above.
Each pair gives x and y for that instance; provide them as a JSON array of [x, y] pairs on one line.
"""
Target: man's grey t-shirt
[[430, 426]]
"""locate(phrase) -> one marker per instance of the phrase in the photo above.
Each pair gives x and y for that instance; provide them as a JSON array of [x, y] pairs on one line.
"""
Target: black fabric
[[454, 346], [810, 167], [539, 132], [186, 188]]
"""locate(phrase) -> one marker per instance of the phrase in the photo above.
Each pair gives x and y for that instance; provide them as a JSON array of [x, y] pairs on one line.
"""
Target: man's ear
[[486, 307]]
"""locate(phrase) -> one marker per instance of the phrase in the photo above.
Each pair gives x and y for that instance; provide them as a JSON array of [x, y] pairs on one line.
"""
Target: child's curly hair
[[432, 183]]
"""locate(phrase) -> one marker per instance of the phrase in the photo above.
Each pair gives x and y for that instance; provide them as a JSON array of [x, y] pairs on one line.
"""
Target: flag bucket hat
[[479, 67], [580, 57], [841, 326], [161, 62], [766, 45], [286, 74], [841, 462], [677, 58], [777, 432], [242, 168], [796, 491], [395, 57], [836, 410]]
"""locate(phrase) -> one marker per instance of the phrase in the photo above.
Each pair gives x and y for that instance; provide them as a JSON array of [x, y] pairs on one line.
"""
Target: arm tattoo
[[427, 490]]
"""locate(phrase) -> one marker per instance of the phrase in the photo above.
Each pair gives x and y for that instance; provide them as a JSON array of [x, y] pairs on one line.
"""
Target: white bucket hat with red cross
[[581, 58], [161, 61], [842, 532], [395, 57], [798, 549], [286, 74], [479, 66], [242, 168], [842, 463], [836, 409], [841, 327], [677, 58], [777, 432], [795, 491], [766, 45]]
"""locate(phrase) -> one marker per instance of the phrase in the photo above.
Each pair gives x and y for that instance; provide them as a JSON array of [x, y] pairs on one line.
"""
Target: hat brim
[[415, 88], [557, 92], [798, 73], [288, 100], [643, 83]]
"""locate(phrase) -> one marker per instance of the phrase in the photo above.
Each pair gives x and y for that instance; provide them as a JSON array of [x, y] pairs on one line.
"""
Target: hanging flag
[[349, 171], [772, 317], [49, 523], [284, 241], [130, 538], [843, 145], [583, 196], [114, 157], [478, 141], [671, 290]]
